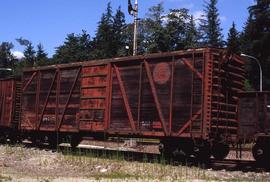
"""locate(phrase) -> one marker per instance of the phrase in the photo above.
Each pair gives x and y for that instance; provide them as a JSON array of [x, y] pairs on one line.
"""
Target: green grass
[[117, 175], [94, 165], [136, 170], [5, 178]]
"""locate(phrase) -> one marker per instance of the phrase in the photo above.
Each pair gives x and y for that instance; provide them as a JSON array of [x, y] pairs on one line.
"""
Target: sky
[[49, 21]]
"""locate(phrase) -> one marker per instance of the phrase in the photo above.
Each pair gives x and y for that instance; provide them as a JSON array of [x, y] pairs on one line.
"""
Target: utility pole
[[135, 36], [134, 12]]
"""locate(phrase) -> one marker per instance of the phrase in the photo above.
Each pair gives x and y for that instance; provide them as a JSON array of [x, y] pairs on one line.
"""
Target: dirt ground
[[18, 163]]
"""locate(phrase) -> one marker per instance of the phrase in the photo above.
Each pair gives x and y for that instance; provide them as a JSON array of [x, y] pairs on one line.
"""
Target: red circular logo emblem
[[162, 73]]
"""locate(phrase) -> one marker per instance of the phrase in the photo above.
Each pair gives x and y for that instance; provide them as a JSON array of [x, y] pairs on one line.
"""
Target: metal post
[[260, 67], [6, 69], [135, 45]]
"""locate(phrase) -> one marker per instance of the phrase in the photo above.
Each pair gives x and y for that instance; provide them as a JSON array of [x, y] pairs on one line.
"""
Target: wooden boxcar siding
[[50, 99], [254, 114], [182, 94], [94, 92], [7, 103]]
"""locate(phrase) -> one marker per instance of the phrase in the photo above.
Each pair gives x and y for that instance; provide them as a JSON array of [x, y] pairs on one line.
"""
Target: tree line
[[158, 32]]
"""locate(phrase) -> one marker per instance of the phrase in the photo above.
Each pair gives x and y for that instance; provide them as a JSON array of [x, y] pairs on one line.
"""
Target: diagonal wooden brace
[[188, 123], [124, 95], [154, 92], [190, 66], [69, 96], [46, 101], [29, 81]]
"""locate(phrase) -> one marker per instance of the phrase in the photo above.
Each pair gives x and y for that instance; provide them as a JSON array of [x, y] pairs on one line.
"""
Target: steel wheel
[[220, 150], [258, 152], [202, 152]]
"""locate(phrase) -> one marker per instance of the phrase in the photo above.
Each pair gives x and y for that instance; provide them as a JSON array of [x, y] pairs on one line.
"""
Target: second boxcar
[[254, 120]]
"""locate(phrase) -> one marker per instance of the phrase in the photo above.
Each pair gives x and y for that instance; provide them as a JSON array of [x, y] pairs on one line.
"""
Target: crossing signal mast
[[134, 12]]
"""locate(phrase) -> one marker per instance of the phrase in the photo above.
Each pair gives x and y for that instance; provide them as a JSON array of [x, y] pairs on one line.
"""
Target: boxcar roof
[[121, 59]]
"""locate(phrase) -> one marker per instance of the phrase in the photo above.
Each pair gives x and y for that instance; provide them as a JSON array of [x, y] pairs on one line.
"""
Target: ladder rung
[[224, 119], [224, 127], [222, 111]]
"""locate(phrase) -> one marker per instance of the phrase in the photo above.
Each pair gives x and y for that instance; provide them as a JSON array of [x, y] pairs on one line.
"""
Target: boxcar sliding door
[[158, 96], [95, 88]]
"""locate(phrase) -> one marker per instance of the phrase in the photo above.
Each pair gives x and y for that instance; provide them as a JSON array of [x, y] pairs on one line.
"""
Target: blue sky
[[49, 21]]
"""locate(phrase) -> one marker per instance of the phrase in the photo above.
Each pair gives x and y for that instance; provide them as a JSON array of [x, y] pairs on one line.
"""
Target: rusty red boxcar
[[254, 123], [9, 107], [187, 99]]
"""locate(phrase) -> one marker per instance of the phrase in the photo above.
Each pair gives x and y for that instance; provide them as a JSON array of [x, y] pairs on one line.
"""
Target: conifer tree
[[119, 26], [176, 28], [29, 55], [41, 56], [255, 40], [210, 27], [103, 42], [233, 42], [29, 52], [192, 34], [155, 33], [75, 48], [257, 30], [5, 54], [67, 52], [84, 46], [6, 58]]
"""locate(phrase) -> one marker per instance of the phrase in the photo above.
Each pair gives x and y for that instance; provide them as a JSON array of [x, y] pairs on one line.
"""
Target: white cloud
[[18, 54], [197, 15], [178, 15], [223, 18]]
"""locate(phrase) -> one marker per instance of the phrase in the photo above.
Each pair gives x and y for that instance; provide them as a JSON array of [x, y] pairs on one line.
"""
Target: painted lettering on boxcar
[[162, 73]]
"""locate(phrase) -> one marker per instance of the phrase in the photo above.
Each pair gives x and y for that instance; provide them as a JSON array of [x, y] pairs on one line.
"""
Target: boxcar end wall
[[9, 103]]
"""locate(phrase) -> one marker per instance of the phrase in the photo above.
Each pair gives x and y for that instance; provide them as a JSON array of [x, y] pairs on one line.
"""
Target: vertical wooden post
[[37, 106], [139, 97], [192, 92], [171, 95], [58, 80], [108, 96]]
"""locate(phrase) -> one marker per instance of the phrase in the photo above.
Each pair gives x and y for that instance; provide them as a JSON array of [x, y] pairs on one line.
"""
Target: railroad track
[[234, 165], [132, 155]]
